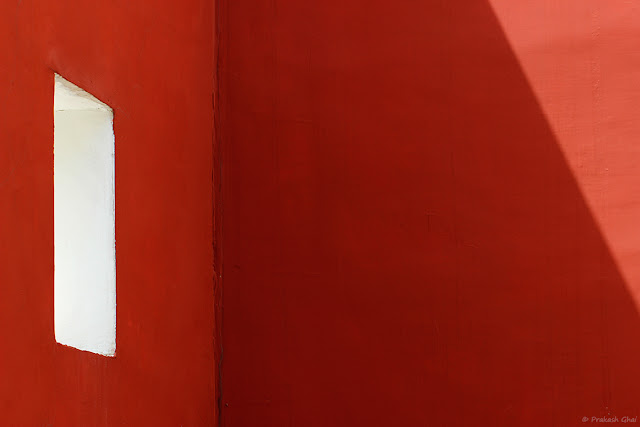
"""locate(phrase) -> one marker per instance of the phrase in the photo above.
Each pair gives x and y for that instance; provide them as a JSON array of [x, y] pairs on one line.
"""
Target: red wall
[[153, 63], [430, 212]]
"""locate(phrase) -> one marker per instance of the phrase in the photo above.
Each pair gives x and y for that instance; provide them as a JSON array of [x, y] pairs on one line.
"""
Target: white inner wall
[[84, 221]]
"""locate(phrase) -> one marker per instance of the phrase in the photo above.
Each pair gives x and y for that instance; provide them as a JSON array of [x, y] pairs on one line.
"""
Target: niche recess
[[84, 221]]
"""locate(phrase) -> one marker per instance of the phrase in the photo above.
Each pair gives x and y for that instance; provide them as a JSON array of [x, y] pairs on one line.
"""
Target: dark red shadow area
[[404, 244]]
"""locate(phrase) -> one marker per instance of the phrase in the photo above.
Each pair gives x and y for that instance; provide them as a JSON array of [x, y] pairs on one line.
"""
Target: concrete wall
[[154, 65], [430, 212]]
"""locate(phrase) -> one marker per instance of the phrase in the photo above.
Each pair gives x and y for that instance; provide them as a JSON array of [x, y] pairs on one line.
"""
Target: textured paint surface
[[83, 221], [153, 64], [430, 212]]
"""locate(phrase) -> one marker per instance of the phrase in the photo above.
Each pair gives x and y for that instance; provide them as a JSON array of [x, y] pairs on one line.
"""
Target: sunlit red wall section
[[153, 63]]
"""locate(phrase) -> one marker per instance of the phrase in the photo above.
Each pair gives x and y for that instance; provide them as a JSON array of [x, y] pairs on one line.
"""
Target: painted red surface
[[430, 212], [154, 64]]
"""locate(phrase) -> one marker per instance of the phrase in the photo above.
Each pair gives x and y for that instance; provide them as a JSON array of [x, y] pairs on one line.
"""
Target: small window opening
[[84, 221]]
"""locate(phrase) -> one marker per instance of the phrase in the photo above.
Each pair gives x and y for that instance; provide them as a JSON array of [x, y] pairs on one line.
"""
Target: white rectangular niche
[[84, 221]]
